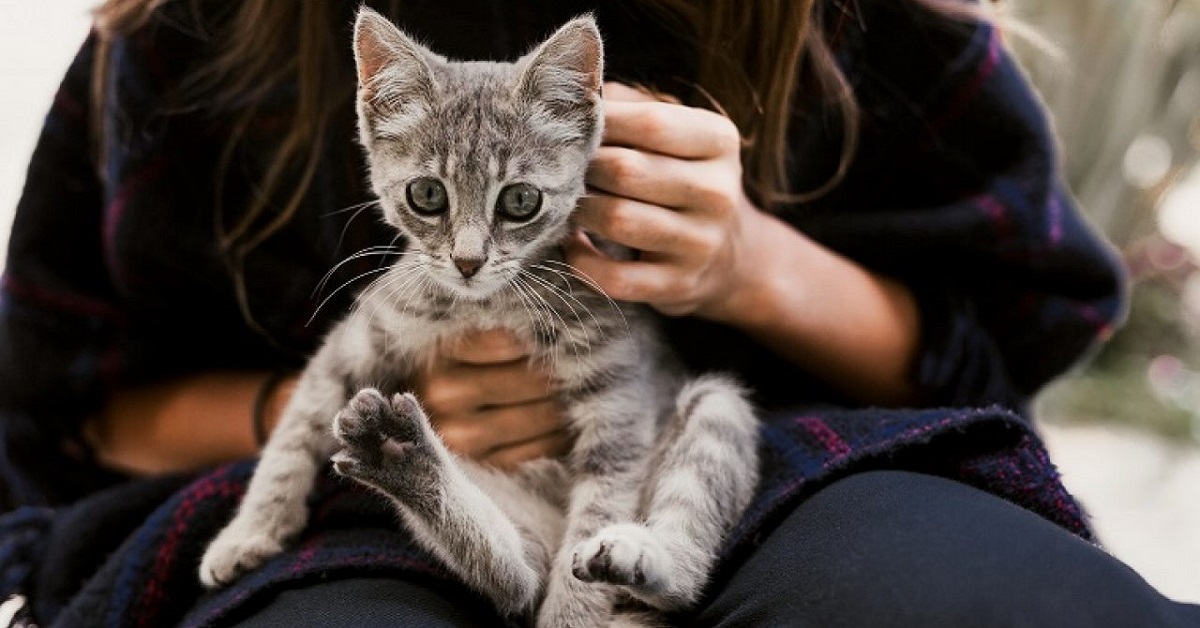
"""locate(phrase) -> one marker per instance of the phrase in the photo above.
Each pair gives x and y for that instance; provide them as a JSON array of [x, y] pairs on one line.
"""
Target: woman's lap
[[372, 603], [883, 548], [891, 548]]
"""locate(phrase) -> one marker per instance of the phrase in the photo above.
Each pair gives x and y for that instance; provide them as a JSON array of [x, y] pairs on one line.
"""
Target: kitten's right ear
[[567, 70], [392, 68]]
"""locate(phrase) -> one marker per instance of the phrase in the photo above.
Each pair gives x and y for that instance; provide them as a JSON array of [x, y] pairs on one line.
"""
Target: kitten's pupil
[[519, 201], [427, 196]]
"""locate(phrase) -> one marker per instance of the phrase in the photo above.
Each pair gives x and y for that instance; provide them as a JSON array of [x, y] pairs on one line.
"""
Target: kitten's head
[[480, 164]]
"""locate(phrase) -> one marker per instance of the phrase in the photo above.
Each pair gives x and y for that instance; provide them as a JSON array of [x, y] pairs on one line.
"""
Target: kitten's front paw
[[234, 553], [381, 438], [623, 553]]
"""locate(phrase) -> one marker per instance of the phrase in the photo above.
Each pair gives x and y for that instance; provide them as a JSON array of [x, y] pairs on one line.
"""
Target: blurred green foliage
[[1122, 80]]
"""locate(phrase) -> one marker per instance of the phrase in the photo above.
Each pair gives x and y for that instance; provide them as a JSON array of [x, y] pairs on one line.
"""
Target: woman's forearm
[[855, 329], [668, 183], [183, 424]]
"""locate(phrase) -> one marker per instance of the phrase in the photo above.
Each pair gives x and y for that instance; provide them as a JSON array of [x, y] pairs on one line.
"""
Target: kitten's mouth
[[477, 287]]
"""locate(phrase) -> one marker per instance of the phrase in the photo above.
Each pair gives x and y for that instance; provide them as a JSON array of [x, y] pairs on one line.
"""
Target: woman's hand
[[668, 183], [490, 403]]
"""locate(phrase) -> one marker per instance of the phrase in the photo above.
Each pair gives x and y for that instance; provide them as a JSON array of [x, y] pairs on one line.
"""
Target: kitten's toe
[[358, 428], [231, 555], [358, 422], [347, 464], [623, 553], [407, 420], [366, 463]]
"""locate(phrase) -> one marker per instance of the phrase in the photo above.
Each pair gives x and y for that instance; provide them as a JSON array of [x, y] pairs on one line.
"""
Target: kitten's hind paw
[[382, 439], [623, 553]]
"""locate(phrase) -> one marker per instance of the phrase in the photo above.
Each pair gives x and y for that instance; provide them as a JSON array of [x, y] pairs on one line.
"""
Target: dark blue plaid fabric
[[115, 278]]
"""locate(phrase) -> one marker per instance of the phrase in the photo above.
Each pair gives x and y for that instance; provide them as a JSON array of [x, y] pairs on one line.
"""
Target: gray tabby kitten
[[480, 165]]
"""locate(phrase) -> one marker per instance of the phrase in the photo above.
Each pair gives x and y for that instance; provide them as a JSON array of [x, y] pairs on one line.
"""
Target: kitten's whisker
[[399, 284], [367, 252], [539, 307], [563, 296], [408, 292], [396, 272], [524, 305], [373, 251], [553, 312], [568, 292], [383, 303], [591, 283], [534, 318], [358, 206], [369, 299], [402, 275], [566, 278], [577, 274], [527, 298], [522, 291], [346, 227], [339, 289]]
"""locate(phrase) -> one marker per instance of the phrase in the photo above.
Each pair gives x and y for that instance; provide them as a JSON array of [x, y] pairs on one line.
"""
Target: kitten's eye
[[427, 196], [519, 202]]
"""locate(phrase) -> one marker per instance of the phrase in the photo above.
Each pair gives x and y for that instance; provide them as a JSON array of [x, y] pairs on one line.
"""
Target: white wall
[[38, 38]]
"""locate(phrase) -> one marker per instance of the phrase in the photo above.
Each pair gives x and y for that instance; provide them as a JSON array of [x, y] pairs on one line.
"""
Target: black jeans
[[877, 549]]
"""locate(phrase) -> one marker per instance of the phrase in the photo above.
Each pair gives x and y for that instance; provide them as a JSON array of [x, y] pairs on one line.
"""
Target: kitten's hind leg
[[705, 473], [390, 446]]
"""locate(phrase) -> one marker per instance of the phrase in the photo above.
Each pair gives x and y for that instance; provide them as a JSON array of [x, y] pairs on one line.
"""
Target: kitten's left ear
[[392, 68], [567, 70]]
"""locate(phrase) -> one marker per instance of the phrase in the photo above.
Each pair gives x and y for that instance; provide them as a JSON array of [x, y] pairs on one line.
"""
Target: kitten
[[479, 165]]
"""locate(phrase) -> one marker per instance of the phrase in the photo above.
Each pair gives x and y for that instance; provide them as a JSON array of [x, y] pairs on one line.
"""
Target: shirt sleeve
[[60, 321], [956, 191]]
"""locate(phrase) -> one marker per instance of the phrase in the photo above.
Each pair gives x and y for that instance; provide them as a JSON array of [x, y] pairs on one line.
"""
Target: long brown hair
[[752, 57]]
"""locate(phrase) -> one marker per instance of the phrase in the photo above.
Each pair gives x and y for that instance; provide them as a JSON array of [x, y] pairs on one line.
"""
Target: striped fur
[[661, 468]]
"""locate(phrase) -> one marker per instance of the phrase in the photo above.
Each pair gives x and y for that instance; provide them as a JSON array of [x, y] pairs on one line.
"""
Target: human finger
[[552, 446], [483, 433], [460, 386], [670, 129], [636, 281], [634, 224], [662, 180]]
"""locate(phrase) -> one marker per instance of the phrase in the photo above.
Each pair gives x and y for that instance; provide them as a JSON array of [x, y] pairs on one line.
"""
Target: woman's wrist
[[854, 328], [762, 282]]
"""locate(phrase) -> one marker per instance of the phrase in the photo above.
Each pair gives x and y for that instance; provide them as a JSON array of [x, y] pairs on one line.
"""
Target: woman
[[881, 226]]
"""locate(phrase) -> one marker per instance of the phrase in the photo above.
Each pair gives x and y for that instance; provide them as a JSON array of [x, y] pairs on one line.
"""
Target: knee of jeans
[[819, 562], [858, 502]]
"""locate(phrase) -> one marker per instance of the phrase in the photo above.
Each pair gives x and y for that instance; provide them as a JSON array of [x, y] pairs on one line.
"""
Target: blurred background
[[1122, 79]]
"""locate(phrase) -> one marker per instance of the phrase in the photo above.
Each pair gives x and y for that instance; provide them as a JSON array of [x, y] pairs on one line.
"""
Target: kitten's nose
[[468, 266]]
